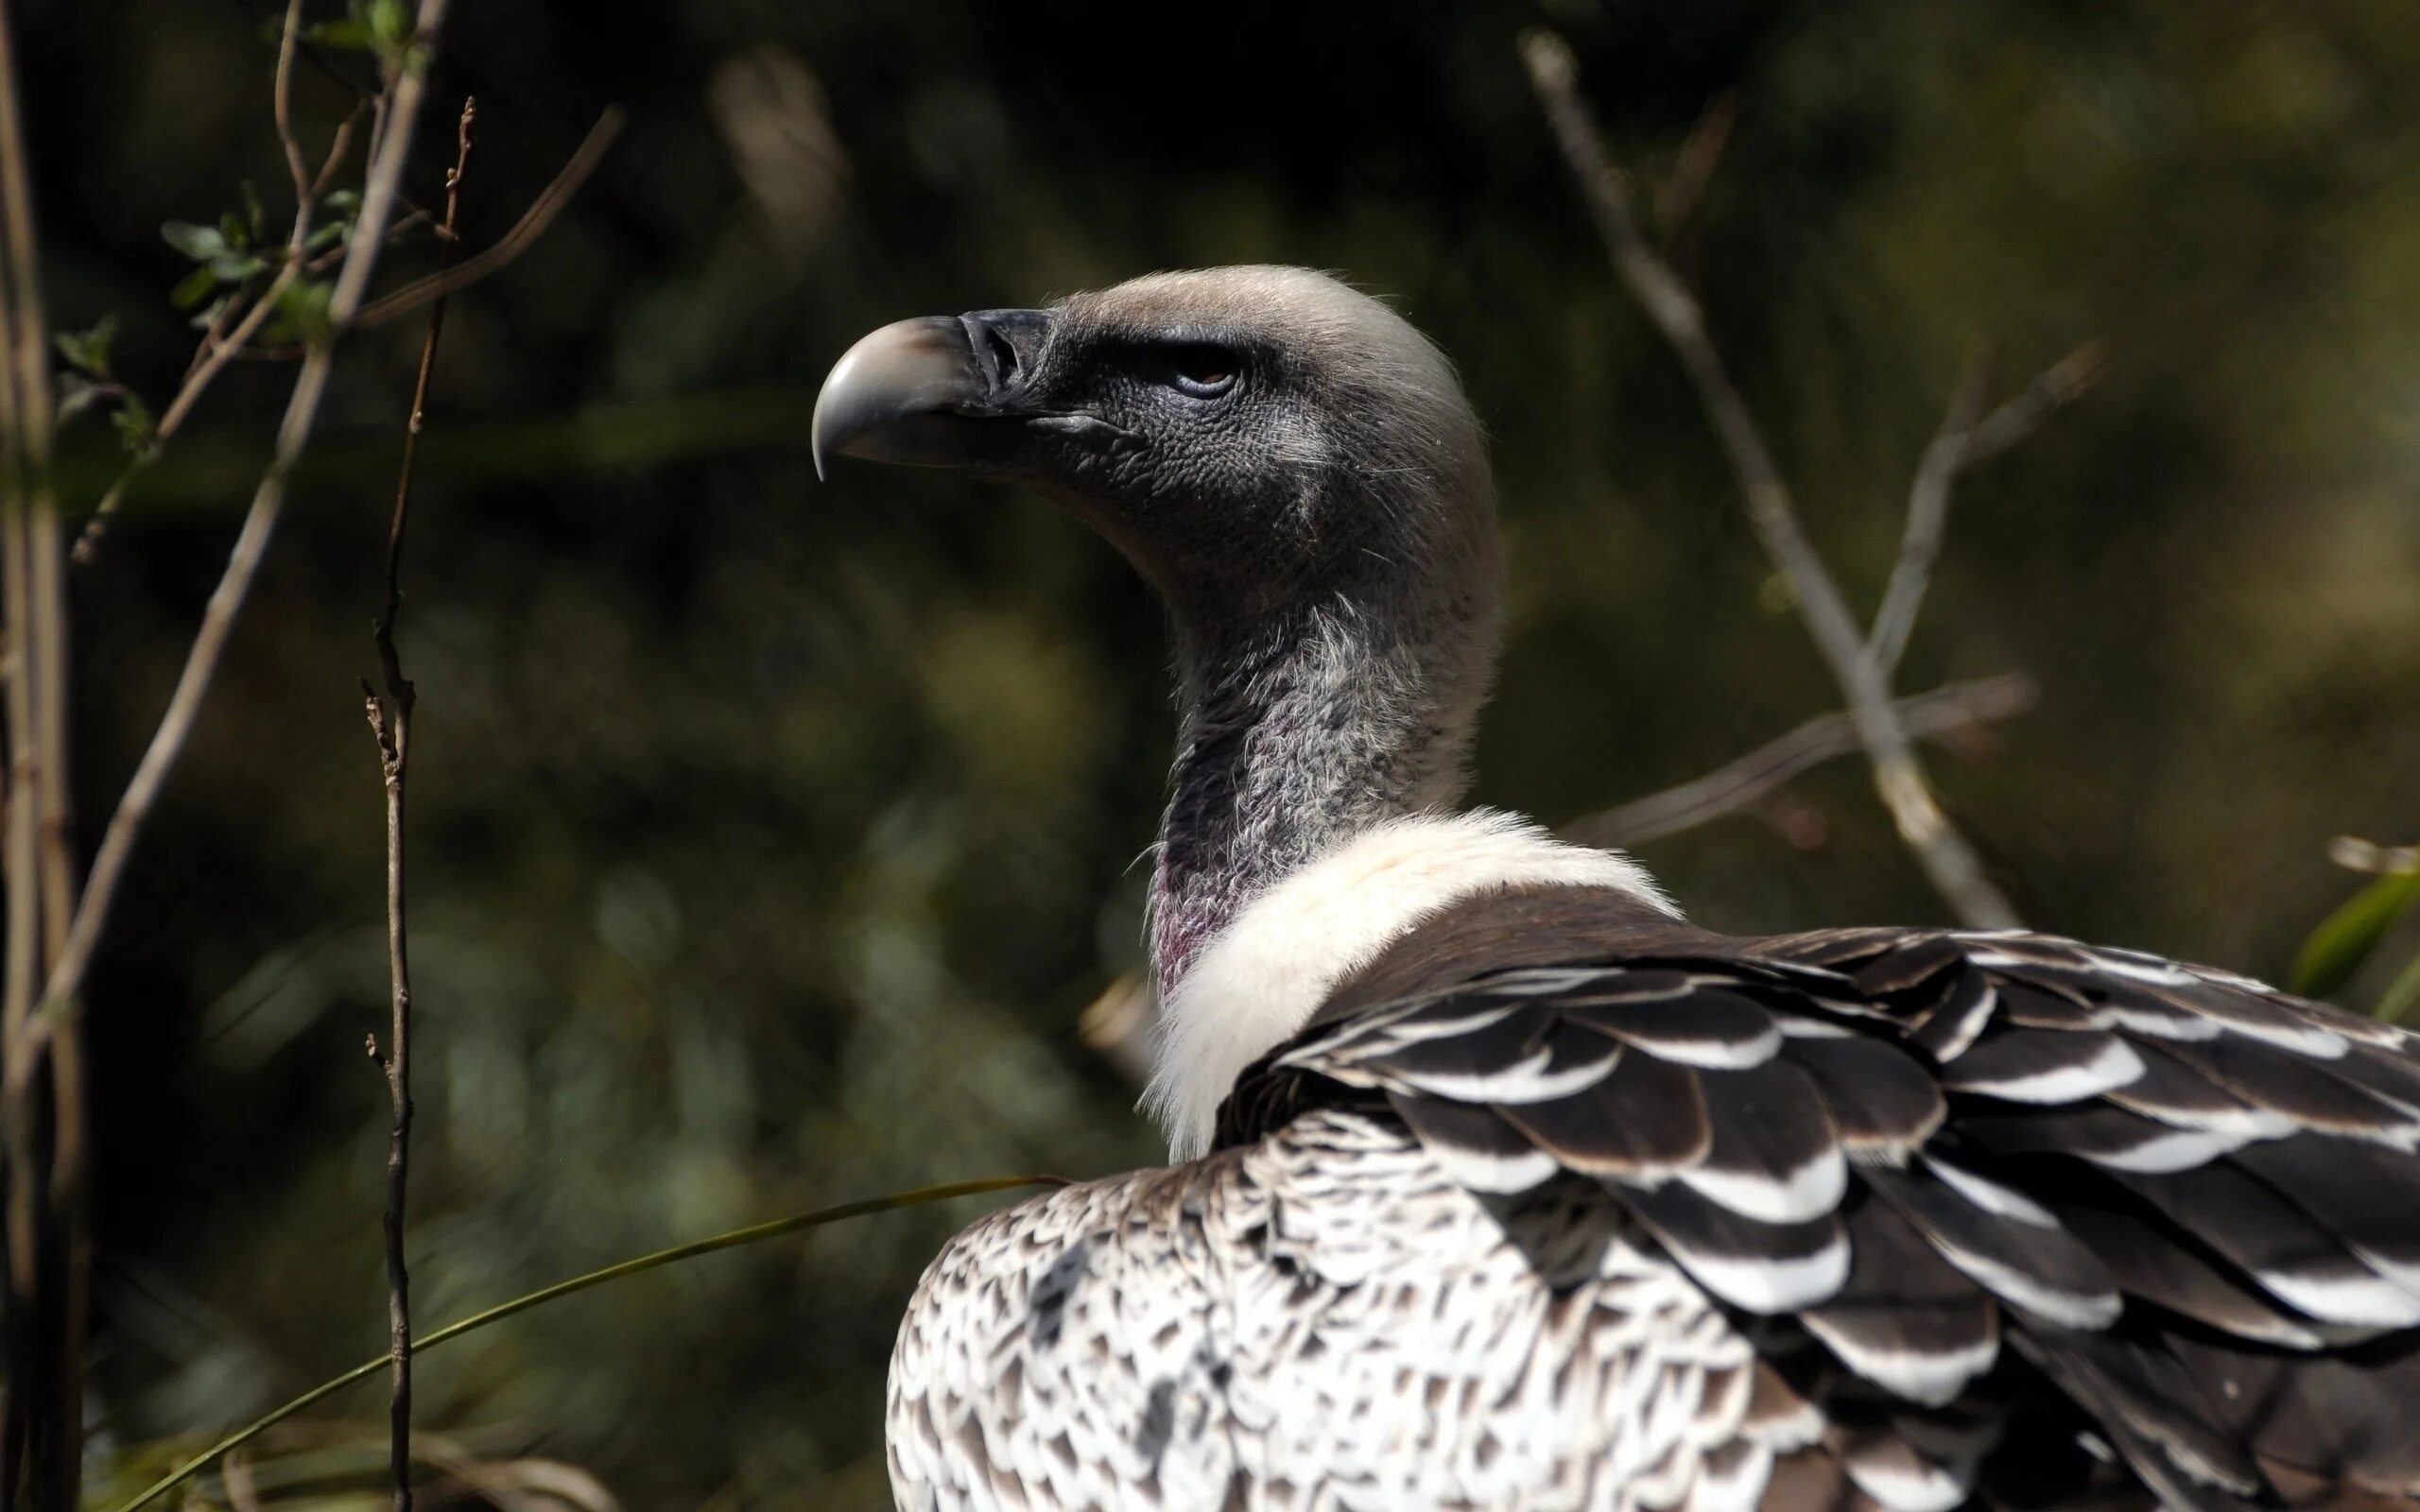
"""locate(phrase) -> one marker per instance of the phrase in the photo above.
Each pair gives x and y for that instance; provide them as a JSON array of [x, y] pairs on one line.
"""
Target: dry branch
[[1967, 438], [1740, 783], [1693, 167], [390, 727], [1927, 518], [1948, 860], [532, 226], [41, 1058]]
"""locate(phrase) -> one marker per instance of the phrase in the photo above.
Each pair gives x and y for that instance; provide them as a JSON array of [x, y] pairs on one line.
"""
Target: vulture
[[1496, 1184]]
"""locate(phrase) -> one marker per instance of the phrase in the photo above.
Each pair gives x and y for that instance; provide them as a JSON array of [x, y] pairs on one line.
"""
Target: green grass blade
[[2401, 993], [2345, 938], [733, 1240]]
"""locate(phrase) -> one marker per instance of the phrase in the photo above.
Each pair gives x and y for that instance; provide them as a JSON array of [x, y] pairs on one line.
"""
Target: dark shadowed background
[[771, 837]]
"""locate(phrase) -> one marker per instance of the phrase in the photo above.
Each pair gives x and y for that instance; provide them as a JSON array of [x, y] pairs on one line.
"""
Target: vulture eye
[[1202, 371]]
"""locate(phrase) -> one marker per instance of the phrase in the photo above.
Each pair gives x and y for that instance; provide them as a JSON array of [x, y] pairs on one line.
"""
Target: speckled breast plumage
[[1321, 1320]]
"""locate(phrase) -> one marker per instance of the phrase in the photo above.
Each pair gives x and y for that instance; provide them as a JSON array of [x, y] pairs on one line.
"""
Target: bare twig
[[1927, 518], [340, 147], [1968, 437], [47, 1217], [390, 727], [17, 1121], [260, 522], [1948, 860], [2061, 384], [1693, 168], [531, 225], [1742, 782], [281, 102]]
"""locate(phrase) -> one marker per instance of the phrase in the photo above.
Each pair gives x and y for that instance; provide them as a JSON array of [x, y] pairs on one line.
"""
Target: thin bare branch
[[1927, 518], [1968, 437], [281, 102], [23, 965], [47, 1203], [339, 149], [1741, 784], [1693, 168], [390, 727], [260, 523], [1947, 858], [2060, 384], [531, 225]]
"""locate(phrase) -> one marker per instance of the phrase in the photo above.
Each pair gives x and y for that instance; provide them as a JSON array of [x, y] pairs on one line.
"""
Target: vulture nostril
[[1004, 355]]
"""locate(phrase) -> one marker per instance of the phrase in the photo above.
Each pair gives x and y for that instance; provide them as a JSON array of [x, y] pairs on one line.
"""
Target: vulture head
[[1264, 444], [1295, 470]]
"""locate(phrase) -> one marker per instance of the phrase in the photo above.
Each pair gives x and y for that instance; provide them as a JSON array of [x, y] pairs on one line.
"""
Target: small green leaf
[[345, 201], [233, 230], [196, 287], [76, 394], [255, 217], [207, 315], [200, 243], [325, 235], [236, 266], [346, 35], [133, 422], [301, 313], [89, 351], [390, 22], [2345, 938]]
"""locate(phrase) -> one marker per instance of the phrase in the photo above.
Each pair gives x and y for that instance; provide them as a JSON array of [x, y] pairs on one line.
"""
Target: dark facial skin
[[1190, 445]]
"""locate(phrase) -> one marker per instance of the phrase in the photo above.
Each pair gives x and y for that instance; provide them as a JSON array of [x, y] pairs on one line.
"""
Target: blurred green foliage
[[769, 837], [2348, 939]]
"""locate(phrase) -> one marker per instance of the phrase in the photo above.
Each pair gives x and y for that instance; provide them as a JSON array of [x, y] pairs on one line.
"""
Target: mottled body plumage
[[1324, 1319]]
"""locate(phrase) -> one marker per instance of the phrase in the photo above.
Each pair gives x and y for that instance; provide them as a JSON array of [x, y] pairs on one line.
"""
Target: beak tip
[[819, 437], [893, 397]]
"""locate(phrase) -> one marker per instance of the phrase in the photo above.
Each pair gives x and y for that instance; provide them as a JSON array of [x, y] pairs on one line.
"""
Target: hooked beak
[[942, 390]]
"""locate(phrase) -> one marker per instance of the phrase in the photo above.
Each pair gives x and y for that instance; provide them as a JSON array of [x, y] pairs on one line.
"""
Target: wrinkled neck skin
[[1303, 728]]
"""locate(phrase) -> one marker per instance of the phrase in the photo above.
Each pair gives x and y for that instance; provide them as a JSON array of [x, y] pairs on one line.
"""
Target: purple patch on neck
[[1183, 923]]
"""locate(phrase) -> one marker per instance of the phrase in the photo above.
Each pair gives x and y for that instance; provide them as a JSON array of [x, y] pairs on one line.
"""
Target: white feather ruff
[[1260, 979]]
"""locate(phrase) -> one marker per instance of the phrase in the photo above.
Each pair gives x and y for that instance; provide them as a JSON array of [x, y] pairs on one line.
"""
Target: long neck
[[1304, 730]]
